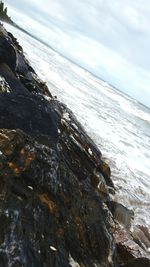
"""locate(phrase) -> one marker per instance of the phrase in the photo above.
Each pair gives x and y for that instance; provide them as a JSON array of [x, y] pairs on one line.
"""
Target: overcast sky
[[109, 38]]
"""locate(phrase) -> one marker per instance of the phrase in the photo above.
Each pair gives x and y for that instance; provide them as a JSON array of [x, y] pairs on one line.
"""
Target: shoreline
[[26, 89]]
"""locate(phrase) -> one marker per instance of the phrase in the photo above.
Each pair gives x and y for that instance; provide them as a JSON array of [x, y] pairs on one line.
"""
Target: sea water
[[119, 125]]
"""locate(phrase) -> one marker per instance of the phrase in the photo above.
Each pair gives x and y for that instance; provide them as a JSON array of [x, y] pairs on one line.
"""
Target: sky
[[109, 38]]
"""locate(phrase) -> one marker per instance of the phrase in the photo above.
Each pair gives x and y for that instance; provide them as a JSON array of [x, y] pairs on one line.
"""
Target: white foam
[[118, 125]]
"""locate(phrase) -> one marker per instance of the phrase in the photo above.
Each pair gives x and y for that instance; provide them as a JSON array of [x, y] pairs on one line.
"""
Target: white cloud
[[110, 38]]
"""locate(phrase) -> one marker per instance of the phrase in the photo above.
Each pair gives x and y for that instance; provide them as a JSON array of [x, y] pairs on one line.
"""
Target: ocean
[[119, 125]]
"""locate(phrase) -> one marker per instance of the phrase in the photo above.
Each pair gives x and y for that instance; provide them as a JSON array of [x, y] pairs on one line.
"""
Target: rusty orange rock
[[48, 202]]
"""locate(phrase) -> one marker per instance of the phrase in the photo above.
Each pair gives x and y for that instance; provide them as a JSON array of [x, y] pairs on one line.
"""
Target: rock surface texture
[[54, 186]]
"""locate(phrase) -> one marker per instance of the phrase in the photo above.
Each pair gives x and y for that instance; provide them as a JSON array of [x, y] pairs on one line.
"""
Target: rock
[[121, 214], [142, 262], [141, 236], [129, 253], [7, 52], [50, 213], [55, 203], [43, 206]]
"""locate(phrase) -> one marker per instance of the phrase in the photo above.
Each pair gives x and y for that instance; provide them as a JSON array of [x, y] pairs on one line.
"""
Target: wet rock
[[121, 214], [7, 52], [142, 262], [4, 87], [30, 113], [129, 253], [141, 236], [55, 207], [50, 212]]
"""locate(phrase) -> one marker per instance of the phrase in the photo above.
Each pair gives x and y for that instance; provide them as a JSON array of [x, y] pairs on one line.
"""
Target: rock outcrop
[[54, 186]]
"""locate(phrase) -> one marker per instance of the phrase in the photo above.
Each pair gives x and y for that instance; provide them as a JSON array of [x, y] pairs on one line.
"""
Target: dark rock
[[50, 212], [142, 262], [7, 52], [30, 113], [55, 207]]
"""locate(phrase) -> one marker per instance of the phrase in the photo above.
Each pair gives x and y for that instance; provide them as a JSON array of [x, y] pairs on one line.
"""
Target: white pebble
[[53, 248], [90, 151], [30, 187]]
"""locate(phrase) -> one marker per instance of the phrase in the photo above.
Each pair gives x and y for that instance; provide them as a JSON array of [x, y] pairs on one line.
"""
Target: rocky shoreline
[[56, 206]]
